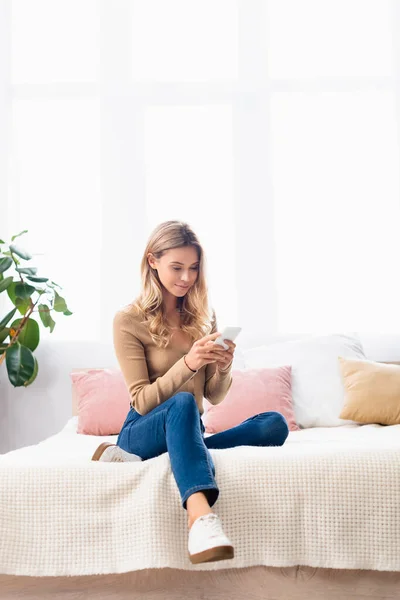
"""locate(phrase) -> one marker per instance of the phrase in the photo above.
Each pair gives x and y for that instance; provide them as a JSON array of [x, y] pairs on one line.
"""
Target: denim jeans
[[175, 426]]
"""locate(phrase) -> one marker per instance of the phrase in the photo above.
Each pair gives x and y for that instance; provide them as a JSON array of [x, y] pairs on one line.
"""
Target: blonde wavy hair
[[197, 316]]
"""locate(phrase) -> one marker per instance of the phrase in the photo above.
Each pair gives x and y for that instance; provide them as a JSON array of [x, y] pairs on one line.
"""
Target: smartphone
[[228, 333]]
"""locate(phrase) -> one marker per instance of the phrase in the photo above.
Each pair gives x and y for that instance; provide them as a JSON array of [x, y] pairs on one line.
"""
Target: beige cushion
[[372, 391]]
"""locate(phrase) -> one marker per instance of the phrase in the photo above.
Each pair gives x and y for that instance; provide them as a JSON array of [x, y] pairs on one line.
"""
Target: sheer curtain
[[271, 127]]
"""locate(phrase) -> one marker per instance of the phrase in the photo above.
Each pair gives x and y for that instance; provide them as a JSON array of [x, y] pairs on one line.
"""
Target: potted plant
[[20, 338]]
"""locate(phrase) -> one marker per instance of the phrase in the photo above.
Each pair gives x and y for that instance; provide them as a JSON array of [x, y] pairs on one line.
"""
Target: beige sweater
[[153, 374]]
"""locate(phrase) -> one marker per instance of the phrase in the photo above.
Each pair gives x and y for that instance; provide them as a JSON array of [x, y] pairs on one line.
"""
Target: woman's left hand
[[226, 356]]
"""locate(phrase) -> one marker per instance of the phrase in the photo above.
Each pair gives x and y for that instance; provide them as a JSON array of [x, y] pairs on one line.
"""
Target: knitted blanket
[[329, 497]]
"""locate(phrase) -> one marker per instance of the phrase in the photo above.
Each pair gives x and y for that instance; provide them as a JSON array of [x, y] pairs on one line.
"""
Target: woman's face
[[177, 269]]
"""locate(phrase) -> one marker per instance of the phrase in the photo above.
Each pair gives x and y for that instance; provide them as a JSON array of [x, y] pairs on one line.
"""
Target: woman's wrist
[[184, 358]]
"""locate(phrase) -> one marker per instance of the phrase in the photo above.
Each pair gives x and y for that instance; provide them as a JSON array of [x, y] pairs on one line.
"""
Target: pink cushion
[[103, 401], [253, 391]]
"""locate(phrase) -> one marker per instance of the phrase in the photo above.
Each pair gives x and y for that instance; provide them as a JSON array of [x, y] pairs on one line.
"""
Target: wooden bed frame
[[258, 582]]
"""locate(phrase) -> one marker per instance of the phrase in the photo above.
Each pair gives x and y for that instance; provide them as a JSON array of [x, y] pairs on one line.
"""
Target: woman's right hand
[[204, 352]]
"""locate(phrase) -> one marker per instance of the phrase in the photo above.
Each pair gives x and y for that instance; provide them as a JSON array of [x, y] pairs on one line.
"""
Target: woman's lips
[[181, 286]]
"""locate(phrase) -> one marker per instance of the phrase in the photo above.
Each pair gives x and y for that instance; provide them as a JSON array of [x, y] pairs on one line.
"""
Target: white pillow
[[317, 386]]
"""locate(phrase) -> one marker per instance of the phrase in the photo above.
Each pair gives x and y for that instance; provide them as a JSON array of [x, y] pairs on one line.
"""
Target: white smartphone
[[228, 333]]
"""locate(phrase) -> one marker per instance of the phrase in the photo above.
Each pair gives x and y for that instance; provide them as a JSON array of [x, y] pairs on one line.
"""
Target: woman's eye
[[178, 269]]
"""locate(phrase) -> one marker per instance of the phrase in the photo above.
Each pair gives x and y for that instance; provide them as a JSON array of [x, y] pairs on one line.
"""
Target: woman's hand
[[204, 352], [226, 359]]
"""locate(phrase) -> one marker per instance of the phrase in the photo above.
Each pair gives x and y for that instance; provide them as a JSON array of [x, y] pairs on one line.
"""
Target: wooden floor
[[251, 583]]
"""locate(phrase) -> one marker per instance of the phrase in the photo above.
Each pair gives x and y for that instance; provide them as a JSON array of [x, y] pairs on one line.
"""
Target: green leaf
[[27, 270], [20, 364], [59, 303], [2, 242], [21, 304], [20, 252], [29, 335], [38, 279], [8, 316], [5, 263], [24, 290], [5, 283], [4, 332], [18, 234], [34, 374], [44, 313]]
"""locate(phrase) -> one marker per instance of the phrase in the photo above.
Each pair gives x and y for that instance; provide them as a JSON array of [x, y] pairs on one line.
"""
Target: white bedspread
[[329, 497]]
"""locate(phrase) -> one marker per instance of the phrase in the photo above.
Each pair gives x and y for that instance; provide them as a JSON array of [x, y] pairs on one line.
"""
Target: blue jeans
[[175, 426]]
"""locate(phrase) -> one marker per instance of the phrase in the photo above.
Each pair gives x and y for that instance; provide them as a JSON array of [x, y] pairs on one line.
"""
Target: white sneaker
[[207, 542], [112, 453]]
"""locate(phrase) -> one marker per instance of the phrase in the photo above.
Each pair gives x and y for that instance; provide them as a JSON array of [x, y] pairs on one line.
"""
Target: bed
[[316, 518]]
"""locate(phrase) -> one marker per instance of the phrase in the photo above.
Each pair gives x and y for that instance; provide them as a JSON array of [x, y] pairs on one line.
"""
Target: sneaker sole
[[99, 451], [212, 554]]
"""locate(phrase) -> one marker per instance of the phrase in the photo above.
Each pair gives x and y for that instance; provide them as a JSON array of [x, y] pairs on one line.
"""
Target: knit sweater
[[153, 374]]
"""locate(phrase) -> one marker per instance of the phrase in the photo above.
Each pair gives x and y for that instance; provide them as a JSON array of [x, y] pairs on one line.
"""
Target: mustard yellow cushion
[[372, 391]]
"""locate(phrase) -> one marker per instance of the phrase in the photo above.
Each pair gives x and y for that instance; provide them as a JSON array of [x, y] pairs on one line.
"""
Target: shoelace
[[113, 454], [212, 522], [117, 455]]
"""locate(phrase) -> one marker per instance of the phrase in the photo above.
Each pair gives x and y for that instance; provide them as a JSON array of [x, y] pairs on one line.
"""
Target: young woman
[[164, 343]]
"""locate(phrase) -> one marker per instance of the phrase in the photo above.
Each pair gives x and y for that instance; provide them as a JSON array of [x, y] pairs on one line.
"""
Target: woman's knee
[[184, 398], [183, 402], [277, 424]]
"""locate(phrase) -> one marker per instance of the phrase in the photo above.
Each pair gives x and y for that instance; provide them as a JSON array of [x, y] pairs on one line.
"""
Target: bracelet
[[184, 360]]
